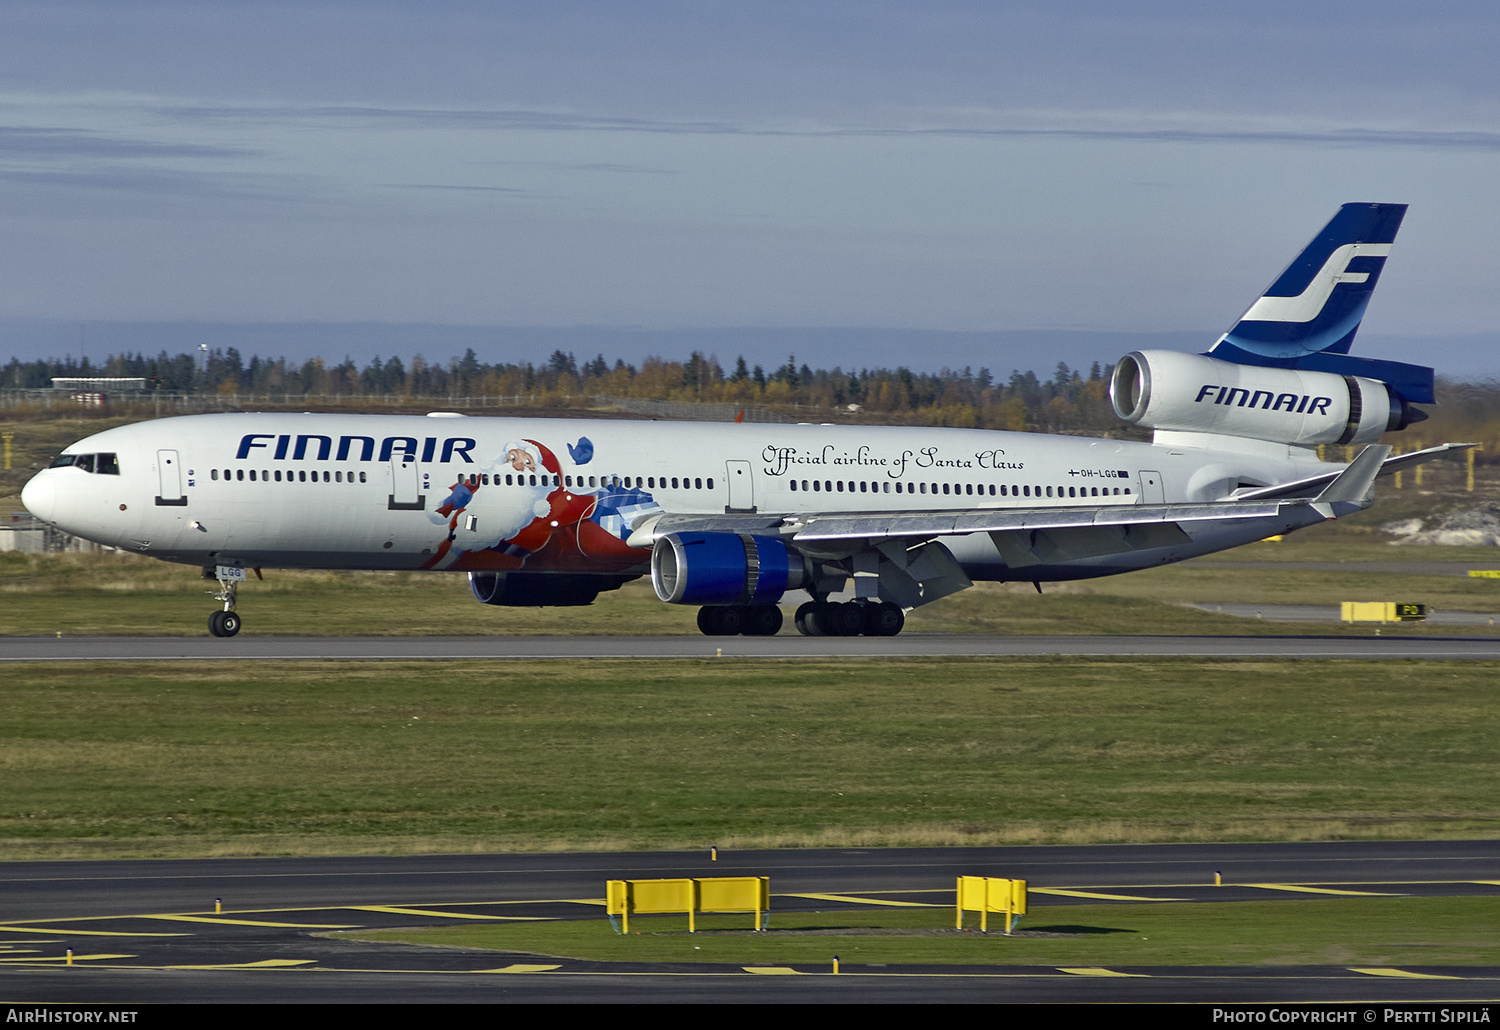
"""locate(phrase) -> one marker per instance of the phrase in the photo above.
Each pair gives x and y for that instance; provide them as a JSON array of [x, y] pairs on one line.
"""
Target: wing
[[901, 545]]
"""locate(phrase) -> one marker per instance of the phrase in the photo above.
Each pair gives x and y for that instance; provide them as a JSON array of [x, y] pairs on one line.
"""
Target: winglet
[[1354, 489]]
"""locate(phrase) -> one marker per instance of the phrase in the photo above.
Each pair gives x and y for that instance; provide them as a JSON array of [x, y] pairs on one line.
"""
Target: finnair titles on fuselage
[[731, 517]]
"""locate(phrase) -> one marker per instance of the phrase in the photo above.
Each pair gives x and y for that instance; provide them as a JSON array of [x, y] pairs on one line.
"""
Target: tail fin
[[1308, 317]]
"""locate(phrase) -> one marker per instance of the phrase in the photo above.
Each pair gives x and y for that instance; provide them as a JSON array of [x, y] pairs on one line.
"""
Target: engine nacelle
[[1194, 393], [541, 589], [723, 568]]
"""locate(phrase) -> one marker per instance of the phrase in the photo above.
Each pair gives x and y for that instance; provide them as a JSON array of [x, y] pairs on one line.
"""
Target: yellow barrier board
[[986, 894], [1382, 611], [1485, 573], [689, 897]]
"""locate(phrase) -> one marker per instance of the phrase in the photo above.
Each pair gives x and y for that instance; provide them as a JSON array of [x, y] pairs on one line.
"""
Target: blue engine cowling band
[[722, 568]]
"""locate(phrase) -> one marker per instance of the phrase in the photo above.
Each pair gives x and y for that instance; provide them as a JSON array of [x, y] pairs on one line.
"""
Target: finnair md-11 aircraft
[[730, 517]]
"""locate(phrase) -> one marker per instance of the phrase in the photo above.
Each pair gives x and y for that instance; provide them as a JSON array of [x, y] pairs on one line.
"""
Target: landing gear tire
[[764, 621], [224, 624], [883, 619], [844, 620], [810, 620], [727, 620], [711, 622]]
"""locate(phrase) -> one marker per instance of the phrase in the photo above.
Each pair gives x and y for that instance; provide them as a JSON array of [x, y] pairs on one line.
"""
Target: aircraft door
[[406, 485], [741, 486], [169, 480], [1152, 491]]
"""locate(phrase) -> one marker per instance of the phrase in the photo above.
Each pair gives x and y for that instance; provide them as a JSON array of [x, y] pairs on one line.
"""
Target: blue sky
[[1102, 167]]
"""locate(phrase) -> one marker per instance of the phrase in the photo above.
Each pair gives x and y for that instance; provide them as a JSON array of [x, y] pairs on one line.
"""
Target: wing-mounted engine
[[1194, 393], [723, 568]]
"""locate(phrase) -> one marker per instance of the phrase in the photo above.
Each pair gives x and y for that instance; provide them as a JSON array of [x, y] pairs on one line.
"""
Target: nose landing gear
[[225, 623]]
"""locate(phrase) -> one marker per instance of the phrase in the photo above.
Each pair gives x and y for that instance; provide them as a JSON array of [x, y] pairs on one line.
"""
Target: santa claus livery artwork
[[523, 512]]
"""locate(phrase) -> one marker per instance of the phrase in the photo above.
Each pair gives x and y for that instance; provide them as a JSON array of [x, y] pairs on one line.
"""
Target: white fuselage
[[559, 495]]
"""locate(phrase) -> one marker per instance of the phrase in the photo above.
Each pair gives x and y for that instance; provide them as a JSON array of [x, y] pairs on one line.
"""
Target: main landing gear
[[751, 620], [813, 619], [851, 619], [225, 623]]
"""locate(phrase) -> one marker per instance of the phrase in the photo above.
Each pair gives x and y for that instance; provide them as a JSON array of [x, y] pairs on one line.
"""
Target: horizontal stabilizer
[[1312, 485], [1354, 488]]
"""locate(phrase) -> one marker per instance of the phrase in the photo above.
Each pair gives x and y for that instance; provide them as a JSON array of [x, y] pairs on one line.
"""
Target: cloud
[[70, 143], [166, 182], [1211, 130]]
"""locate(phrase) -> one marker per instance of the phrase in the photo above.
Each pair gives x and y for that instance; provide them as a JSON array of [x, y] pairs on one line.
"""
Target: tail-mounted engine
[[723, 568], [1194, 393]]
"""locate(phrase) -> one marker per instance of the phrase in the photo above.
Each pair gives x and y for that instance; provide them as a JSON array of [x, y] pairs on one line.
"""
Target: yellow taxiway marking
[[265, 963], [84, 933], [862, 901], [1093, 894], [1379, 971], [519, 968], [1094, 971], [58, 959], [1320, 890], [252, 922], [397, 910], [773, 970]]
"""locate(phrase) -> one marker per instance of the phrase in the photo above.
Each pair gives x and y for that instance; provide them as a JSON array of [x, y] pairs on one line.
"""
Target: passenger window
[[361, 477], [213, 474]]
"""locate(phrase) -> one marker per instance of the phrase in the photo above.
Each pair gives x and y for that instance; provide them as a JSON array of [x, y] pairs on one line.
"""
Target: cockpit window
[[101, 464]]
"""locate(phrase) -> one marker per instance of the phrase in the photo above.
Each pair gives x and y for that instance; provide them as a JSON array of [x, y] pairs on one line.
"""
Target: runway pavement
[[261, 648], [148, 932]]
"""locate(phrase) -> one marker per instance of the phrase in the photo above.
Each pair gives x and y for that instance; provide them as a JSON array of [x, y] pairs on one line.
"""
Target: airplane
[[730, 518]]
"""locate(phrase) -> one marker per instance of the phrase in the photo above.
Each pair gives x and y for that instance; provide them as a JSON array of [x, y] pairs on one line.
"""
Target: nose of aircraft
[[40, 496]]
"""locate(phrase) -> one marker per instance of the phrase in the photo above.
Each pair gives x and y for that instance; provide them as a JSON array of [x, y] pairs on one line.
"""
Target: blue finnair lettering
[[455, 448], [248, 441], [1238, 397]]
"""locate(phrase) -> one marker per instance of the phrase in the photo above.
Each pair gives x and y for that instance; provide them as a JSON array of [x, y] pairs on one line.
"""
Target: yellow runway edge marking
[[252, 922], [862, 901], [1093, 894], [1321, 890], [519, 968], [1378, 971], [57, 959], [84, 933], [395, 910], [266, 963], [1096, 971]]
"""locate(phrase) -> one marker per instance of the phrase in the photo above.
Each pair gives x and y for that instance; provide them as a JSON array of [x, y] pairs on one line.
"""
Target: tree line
[[1070, 401]]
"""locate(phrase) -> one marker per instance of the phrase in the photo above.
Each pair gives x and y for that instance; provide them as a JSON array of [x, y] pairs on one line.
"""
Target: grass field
[[1344, 932], [84, 594], [342, 758]]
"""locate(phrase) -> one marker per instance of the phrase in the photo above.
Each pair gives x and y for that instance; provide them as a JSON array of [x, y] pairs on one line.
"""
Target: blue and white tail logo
[[1317, 303], [1309, 315]]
